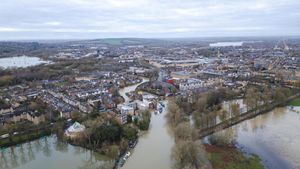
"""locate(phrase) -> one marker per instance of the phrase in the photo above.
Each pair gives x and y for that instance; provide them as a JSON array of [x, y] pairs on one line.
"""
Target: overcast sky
[[81, 19]]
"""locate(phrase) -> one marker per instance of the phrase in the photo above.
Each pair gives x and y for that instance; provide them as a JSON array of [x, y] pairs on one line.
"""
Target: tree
[[222, 138], [10, 128], [76, 116], [188, 154], [297, 83], [173, 116], [144, 123], [106, 132], [201, 104], [251, 98], [183, 131], [5, 80], [129, 118], [235, 109], [223, 115], [266, 95], [279, 96], [130, 132], [112, 151], [212, 98], [95, 110], [33, 106], [136, 121]]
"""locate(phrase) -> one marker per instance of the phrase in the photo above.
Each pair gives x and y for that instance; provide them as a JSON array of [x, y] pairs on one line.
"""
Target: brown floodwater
[[49, 153], [153, 150], [274, 137], [130, 88]]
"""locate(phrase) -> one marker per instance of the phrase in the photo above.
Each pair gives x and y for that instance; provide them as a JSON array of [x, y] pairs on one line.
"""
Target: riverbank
[[233, 157], [154, 147], [295, 102], [229, 157], [262, 109], [50, 153], [23, 138]]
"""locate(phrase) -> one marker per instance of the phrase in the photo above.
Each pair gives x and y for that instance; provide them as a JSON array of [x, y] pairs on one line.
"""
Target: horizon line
[[157, 38]]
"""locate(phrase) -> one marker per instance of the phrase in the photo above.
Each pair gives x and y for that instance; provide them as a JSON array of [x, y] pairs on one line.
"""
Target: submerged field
[[231, 158]]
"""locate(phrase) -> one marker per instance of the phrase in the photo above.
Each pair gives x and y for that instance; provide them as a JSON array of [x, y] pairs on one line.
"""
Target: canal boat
[[127, 154], [132, 144], [123, 160]]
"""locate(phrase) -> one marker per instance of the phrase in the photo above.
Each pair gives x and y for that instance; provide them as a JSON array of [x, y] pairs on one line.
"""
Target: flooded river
[[49, 153], [273, 136], [153, 150], [20, 61], [127, 89]]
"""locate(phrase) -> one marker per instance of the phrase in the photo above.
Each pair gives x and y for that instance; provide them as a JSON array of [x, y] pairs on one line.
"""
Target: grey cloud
[[61, 19]]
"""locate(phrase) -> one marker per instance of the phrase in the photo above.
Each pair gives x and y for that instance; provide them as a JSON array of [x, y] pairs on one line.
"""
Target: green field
[[295, 102], [232, 158]]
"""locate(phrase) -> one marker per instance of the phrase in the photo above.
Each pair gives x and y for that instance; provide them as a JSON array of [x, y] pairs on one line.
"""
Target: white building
[[74, 130], [127, 110], [142, 105], [122, 117], [191, 84]]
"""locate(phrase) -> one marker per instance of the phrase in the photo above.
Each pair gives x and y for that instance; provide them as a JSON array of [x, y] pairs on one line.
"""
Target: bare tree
[[235, 109], [173, 116], [189, 154]]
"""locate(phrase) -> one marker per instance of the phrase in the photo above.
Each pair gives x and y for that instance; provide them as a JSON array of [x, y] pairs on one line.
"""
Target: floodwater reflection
[[49, 153], [273, 136], [153, 150]]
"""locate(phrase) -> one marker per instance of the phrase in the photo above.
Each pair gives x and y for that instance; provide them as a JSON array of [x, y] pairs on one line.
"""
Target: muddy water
[[127, 89], [49, 153], [153, 150], [274, 137]]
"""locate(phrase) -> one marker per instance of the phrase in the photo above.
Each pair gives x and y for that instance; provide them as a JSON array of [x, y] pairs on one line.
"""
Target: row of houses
[[135, 107], [22, 114]]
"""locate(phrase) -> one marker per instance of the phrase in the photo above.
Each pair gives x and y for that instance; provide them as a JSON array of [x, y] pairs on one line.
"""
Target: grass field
[[295, 102], [231, 158]]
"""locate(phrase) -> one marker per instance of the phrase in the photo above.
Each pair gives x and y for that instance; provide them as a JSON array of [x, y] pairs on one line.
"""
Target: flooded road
[[153, 150], [273, 136], [49, 153]]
